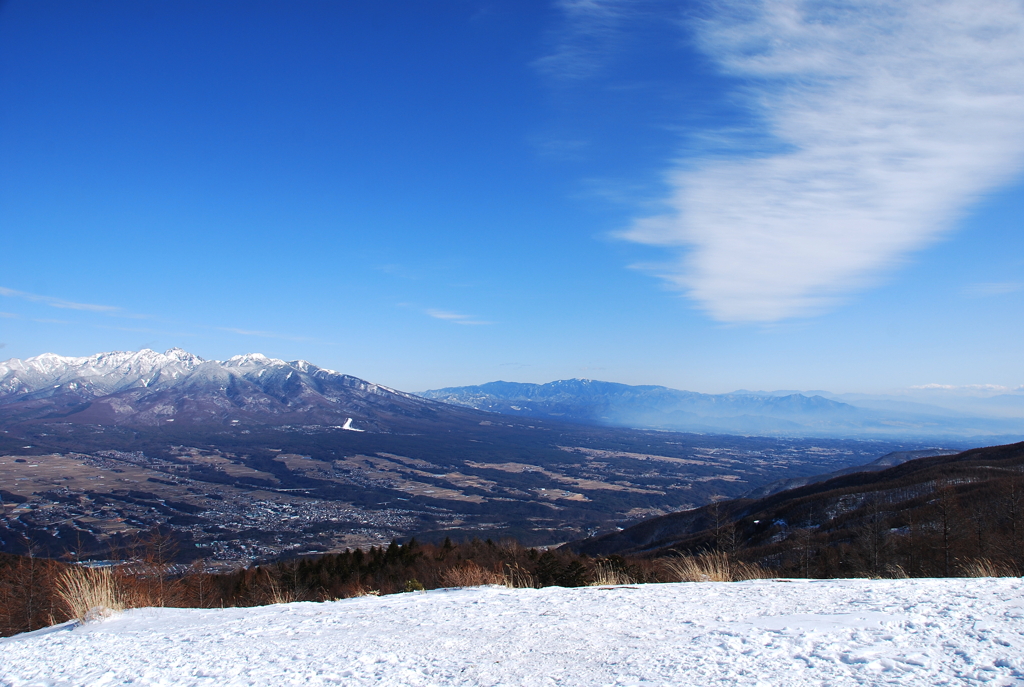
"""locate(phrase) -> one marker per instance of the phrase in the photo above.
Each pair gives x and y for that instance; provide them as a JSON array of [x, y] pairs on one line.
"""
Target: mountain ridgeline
[[149, 389], [659, 407]]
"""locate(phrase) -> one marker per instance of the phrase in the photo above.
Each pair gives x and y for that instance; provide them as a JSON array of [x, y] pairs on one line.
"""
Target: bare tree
[[1014, 506], [947, 516], [874, 536]]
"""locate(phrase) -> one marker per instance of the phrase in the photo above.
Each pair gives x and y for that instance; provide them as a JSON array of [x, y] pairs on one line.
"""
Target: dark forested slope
[[929, 516]]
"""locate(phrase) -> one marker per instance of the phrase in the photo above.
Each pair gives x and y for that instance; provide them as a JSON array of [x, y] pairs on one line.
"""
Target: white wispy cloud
[[118, 312], [59, 302], [453, 317], [263, 334], [965, 387], [561, 148], [890, 120], [445, 315], [592, 28], [993, 288], [145, 330]]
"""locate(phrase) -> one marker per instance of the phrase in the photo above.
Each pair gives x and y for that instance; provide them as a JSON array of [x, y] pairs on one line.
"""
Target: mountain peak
[[253, 359], [182, 355]]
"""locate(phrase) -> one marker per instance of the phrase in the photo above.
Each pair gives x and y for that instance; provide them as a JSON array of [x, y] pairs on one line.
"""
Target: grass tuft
[[89, 593], [711, 566], [516, 577], [606, 575], [985, 567]]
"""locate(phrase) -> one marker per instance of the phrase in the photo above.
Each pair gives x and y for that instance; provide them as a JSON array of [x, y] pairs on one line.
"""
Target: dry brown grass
[[711, 566], [469, 574], [984, 567], [606, 575], [89, 593], [275, 594], [895, 572], [358, 590], [516, 577]]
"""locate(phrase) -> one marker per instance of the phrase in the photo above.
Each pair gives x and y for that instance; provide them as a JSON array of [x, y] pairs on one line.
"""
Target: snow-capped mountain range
[[100, 374], [151, 388]]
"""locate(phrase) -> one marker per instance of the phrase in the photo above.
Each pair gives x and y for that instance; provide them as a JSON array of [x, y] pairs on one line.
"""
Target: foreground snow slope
[[779, 632]]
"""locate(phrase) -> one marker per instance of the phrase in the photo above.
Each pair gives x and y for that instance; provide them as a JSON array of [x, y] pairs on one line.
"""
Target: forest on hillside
[[931, 517]]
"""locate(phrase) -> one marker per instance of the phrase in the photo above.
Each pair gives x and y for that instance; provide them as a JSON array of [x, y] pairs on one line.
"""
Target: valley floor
[[764, 632]]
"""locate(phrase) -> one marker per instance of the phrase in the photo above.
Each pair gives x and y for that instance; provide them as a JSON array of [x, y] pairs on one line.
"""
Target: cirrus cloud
[[890, 119], [961, 387], [454, 317], [59, 302]]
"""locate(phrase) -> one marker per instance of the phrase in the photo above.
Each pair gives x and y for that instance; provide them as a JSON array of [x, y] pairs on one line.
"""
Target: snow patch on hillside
[[766, 632]]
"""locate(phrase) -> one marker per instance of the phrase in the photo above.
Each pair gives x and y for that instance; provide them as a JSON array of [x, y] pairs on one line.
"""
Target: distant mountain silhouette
[[761, 413]]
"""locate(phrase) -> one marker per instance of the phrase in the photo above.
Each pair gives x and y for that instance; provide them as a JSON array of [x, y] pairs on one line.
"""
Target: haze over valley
[[992, 418]]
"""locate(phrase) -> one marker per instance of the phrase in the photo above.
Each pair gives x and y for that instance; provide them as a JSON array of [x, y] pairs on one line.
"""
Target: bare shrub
[[264, 587], [711, 566], [356, 589], [605, 575], [367, 592], [511, 548], [89, 593], [984, 567], [197, 585], [28, 600], [136, 591], [469, 574]]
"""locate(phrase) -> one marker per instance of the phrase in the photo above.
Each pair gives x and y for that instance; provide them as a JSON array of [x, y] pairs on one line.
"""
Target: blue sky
[[709, 196]]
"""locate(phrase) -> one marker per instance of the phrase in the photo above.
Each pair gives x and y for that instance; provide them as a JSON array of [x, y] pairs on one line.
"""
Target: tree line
[[34, 590], [941, 517]]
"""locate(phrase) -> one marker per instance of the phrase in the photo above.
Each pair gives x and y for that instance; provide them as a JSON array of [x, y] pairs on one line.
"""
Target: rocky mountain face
[[147, 388], [749, 413]]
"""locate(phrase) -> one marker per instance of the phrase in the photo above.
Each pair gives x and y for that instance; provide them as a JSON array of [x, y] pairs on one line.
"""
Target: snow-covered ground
[[769, 632]]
